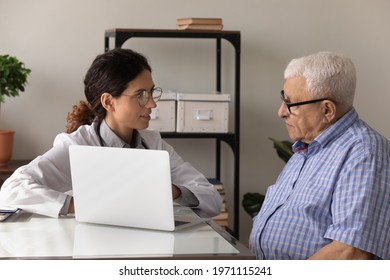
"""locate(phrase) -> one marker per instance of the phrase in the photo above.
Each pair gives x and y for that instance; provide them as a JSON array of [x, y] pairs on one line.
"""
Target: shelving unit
[[120, 36]]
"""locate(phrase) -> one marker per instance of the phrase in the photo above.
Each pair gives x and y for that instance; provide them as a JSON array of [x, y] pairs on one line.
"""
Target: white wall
[[58, 39]]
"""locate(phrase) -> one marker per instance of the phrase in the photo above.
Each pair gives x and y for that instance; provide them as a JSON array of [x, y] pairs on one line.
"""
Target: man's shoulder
[[367, 139], [363, 131]]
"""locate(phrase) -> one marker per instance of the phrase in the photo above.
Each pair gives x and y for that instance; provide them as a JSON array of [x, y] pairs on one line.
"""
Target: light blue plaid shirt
[[336, 189]]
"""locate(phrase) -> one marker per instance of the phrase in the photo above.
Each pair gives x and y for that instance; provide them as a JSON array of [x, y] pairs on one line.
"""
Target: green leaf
[[13, 76], [252, 203], [283, 149]]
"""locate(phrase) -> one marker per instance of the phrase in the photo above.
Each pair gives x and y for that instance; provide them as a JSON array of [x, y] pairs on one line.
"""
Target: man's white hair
[[327, 75]]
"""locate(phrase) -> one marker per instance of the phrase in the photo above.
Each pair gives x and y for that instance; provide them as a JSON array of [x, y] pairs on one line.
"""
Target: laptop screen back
[[124, 187]]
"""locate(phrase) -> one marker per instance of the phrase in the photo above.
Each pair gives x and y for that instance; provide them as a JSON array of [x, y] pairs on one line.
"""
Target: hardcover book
[[200, 27], [205, 21]]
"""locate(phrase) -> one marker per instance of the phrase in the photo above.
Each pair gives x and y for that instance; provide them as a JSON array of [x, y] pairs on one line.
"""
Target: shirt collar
[[331, 133], [110, 139], [338, 128], [299, 146]]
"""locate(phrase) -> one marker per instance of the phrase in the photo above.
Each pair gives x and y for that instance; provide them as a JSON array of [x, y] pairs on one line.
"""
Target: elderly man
[[332, 199]]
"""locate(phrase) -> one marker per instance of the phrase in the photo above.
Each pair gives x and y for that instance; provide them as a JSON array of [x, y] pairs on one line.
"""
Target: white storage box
[[202, 112], [163, 117]]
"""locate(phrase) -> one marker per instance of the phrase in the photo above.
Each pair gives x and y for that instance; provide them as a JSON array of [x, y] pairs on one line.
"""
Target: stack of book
[[199, 23], [223, 218]]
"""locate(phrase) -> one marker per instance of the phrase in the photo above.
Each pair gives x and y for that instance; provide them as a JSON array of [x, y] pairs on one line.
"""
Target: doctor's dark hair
[[110, 72]]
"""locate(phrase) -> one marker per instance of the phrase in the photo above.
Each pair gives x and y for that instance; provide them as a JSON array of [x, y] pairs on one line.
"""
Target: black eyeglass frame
[[289, 105]]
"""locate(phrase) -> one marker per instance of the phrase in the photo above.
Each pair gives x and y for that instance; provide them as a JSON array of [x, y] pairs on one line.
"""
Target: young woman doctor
[[120, 94]]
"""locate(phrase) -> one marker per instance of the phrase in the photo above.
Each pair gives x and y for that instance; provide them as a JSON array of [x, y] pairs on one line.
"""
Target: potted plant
[[252, 202], [13, 79]]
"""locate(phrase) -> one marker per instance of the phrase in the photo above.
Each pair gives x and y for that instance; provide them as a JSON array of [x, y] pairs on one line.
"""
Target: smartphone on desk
[[6, 213]]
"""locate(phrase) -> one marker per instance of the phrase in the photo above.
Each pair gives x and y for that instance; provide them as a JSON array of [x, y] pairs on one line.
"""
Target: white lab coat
[[44, 185]]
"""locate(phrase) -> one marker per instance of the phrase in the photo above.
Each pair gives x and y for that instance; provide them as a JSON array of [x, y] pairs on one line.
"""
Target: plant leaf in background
[[283, 149], [13, 76], [252, 202]]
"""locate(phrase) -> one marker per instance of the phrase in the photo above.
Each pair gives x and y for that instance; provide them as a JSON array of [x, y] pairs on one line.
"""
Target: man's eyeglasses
[[289, 105], [143, 97]]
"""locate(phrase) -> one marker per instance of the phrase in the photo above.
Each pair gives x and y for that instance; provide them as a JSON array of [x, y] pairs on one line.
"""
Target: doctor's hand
[[71, 206], [176, 192]]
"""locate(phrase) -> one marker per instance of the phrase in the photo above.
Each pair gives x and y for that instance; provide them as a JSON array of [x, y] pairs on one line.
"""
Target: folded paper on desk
[[5, 212]]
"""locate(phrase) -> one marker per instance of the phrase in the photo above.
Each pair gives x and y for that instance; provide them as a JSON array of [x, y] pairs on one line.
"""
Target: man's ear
[[329, 110], [106, 100]]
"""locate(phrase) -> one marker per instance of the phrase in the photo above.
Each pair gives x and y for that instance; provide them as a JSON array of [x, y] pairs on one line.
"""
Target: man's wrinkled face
[[305, 122]]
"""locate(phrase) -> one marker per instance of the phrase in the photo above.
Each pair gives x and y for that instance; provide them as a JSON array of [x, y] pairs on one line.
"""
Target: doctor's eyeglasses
[[144, 96]]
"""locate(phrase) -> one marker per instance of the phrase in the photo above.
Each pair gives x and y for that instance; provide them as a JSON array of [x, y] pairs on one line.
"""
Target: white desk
[[30, 236]]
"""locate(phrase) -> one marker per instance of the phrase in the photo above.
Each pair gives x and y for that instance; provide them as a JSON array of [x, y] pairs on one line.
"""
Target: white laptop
[[124, 187]]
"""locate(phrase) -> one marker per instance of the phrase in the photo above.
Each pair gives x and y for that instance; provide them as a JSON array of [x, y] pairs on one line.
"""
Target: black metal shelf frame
[[120, 36]]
